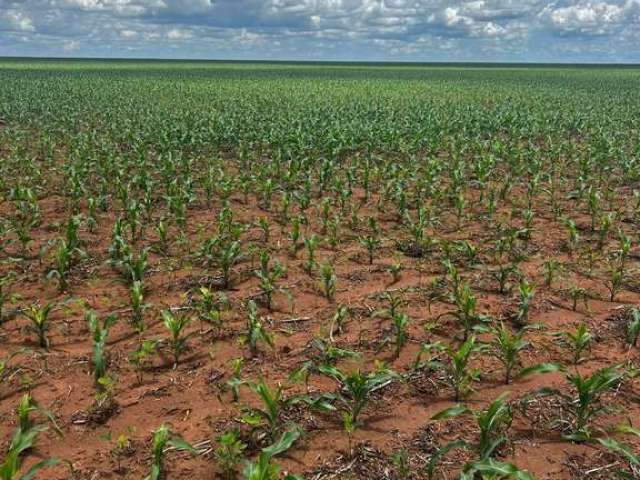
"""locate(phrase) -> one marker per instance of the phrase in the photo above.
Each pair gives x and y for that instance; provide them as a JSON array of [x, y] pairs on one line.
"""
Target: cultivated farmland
[[262, 271]]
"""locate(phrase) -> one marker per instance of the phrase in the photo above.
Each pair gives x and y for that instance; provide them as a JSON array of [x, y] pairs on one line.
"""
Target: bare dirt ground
[[194, 399]]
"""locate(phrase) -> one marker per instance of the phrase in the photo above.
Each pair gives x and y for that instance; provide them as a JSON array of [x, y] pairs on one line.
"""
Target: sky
[[349, 30]]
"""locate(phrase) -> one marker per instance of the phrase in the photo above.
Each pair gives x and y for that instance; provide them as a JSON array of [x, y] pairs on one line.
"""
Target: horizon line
[[326, 61]]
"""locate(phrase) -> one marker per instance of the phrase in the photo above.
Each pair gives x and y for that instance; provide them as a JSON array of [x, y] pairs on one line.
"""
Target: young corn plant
[[578, 342], [400, 323], [235, 380], [493, 423], [72, 238], [138, 306], [632, 471], [526, 292], [268, 276], [585, 404], [264, 468], [573, 237], [163, 438], [338, 320], [99, 332], [395, 303], [311, 244], [141, 357], [256, 332], [162, 230], [229, 255], [269, 418], [614, 282], [395, 269], [328, 281], [135, 266], [576, 293], [178, 340], [294, 236], [551, 270], [92, 214], [455, 364], [401, 464], [502, 274], [467, 316], [22, 441], [371, 243], [507, 346], [62, 266], [40, 322], [210, 307], [229, 454], [355, 389]]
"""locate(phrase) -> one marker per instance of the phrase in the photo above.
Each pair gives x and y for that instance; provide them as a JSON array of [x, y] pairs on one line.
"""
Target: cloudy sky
[[408, 30]]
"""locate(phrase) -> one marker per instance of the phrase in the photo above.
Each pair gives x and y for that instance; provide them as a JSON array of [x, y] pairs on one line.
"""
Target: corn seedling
[[502, 274], [337, 321], [577, 293], [455, 364], [614, 283], [400, 322], [328, 281], [256, 333], [400, 460], [268, 418], [493, 423], [210, 307], [551, 269], [163, 438], [395, 269], [162, 230], [62, 265], [526, 292], [506, 347], [177, 340], [371, 243], [311, 244], [467, 316], [5, 282], [135, 266], [229, 454], [573, 237], [141, 357], [294, 235], [264, 468], [585, 404], [625, 451], [355, 389], [236, 381], [268, 275], [22, 441], [578, 342], [99, 332], [40, 322], [136, 294]]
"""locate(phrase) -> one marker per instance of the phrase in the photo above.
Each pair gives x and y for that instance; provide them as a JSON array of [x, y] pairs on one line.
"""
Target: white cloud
[[179, 34], [591, 18], [368, 29], [17, 20], [71, 46]]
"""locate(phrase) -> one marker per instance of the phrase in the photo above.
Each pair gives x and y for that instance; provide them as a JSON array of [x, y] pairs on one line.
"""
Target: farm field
[[318, 271]]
